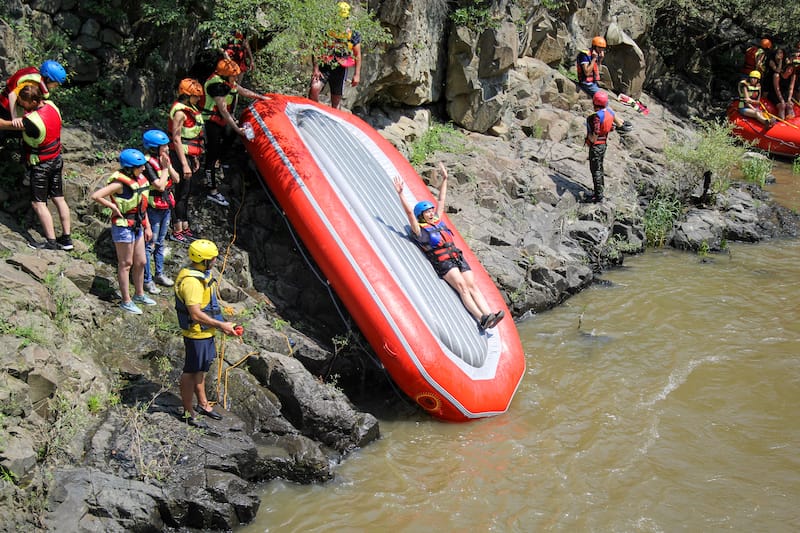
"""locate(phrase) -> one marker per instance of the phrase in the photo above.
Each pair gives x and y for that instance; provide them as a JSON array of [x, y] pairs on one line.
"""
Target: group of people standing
[[769, 72]]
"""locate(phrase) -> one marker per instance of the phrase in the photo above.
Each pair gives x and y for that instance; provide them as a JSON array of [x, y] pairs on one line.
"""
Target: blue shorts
[[588, 88], [200, 353], [120, 234]]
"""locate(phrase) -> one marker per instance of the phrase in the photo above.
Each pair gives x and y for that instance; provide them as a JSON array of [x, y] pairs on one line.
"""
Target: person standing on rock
[[221, 90], [125, 195], [434, 237], [41, 136], [187, 144], [589, 64], [344, 51], [199, 316], [159, 172], [598, 125]]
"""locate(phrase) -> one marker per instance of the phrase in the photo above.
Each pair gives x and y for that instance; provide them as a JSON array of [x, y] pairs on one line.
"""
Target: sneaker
[[161, 279], [626, 127], [44, 245], [188, 236], [65, 242], [131, 308], [150, 286], [217, 198], [178, 236], [144, 299]]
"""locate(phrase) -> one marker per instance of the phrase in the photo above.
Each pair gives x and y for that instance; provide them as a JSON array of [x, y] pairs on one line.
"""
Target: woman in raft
[[436, 240]]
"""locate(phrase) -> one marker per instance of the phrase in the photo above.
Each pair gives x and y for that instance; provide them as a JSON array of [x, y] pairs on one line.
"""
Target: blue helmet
[[154, 139], [421, 207], [52, 70], [131, 158]]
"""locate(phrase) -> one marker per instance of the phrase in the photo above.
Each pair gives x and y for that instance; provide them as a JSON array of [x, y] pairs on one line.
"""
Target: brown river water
[[665, 399]]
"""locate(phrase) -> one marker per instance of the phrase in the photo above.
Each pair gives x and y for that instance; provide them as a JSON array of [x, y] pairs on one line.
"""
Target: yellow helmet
[[202, 250], [344, 9], [754, 74]]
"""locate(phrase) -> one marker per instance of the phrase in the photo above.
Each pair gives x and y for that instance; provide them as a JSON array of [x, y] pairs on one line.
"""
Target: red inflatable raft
[[781, 139], [332, 175]]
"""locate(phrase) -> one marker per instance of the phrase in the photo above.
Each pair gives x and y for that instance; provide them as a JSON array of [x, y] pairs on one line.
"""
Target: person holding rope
[[199, 316]]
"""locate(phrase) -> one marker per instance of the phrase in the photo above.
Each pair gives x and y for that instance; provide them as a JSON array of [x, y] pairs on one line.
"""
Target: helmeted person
[[187, 145], [221, 91], [41, 136], [126, 195], [238, 49], [589, 64], [598, 125], [433, 236], [199, 316], [344, 51], [755, 57], [162, 176], [48, 76], [750, 99]]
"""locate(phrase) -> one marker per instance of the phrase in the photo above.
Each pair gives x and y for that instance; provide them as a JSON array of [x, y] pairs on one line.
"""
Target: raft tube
[[781, 139], [332, 175]]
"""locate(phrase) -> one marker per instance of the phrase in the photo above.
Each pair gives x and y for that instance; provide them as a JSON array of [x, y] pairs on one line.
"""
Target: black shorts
[[335, 76], [46, 179], [200, 353], [443, 267]]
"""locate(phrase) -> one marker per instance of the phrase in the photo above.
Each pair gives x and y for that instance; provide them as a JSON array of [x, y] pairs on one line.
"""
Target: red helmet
[[600, 99], [228, 67], [599, 42], [766, 44]]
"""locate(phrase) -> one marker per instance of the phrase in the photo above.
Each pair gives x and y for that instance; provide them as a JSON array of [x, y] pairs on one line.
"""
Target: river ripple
[[663, 400]]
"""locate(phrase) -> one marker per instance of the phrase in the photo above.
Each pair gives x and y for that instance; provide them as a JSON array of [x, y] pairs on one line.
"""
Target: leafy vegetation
[[439, 137], [757, 169], [476, 16], [714, 149], [660, 215]]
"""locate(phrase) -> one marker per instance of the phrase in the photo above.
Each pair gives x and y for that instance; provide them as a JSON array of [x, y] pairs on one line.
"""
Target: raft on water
[[783, 138], [332, 175]]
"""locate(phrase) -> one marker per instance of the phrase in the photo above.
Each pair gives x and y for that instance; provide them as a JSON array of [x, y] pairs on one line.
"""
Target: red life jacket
[[606, 117], [753, 60], [594, 77], [24, 76], [47, 145], [192, 135], [436, 240], [160, 199], [132, 201]]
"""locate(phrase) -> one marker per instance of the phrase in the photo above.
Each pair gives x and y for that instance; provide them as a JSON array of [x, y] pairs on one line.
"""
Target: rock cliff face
[[89, 437]]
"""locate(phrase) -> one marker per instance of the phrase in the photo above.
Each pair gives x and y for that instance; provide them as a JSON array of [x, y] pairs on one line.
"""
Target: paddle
[[779, 119], [633, 102]]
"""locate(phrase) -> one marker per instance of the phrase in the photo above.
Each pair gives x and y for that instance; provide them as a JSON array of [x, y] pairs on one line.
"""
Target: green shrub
[[439, 137], [659, 217], [756, 169], [477, 17]]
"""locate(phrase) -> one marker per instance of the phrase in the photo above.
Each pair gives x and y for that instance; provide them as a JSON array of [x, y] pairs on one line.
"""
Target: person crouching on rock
[[436, 240], [199, 316], [598, 125], [126, 194], [750, 99]]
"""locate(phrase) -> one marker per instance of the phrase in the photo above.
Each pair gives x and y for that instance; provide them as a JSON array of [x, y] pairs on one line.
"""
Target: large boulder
[[625, 62]]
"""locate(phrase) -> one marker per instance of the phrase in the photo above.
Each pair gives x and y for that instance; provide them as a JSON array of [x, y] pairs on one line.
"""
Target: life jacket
[[754, 60], [160, 199], [47, 145], [754, 90], [212, 308], [594, 77], [210, 111], [436, 240], [22, 77], [606, 117], [132, 201], [341, 49], [192, 135]]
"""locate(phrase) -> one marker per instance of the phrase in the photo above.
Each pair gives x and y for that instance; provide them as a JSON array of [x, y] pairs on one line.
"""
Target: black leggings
[[182, 190], [218, 140]]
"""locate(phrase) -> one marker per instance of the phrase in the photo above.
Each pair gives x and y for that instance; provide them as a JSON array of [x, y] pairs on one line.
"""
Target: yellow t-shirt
[[192, 291]]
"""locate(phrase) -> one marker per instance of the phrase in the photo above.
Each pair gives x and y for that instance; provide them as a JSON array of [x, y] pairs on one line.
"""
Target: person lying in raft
[[436, 240]]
